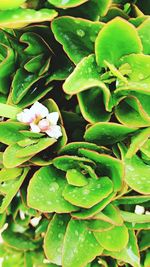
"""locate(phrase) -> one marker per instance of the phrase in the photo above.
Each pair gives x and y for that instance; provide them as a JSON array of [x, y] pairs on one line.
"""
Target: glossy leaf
[[90, 194], [22, 17], [10, 188], [66, 4], [107, 239], [53, 240], [104, 133], [45, 191], [9, 111], [109, 166], [78, 240], [138, 141], [15, 155], [143, 31], [113, 50], [90, 213], [137, 175], [99, 225], [86, 76], [131, 113], [130, 254], [72, 148], [92, 105], [76, 178], [76, 35], [19, 241], [10, 132], [21, 84], [7, 67], [65, 163], [135, 218]]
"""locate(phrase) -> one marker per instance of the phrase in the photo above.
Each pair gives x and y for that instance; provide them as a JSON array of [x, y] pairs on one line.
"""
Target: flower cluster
[[40, 120]]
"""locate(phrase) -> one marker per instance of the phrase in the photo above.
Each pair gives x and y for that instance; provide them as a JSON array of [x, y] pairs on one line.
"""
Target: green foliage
[[79, 199]]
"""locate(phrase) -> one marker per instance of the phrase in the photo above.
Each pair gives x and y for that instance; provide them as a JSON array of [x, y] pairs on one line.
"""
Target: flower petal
[[53, 118], [44, 125], [25, 116], [34, 128], [54, 131], [39, 110]]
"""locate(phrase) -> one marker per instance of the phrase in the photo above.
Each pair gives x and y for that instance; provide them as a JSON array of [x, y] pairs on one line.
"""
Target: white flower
[[40, 120], [139, 210]]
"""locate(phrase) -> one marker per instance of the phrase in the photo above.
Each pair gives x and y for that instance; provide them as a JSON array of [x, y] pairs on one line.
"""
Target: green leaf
[[138, 141], [35, 44], [130, 254], [84, 76], [11, 5], [65, 163], [22, 82], [72, 148], [103, 6], [131, 113], [9, 111], [104, 133], [92, 106], [144, 243], [137, 175], [10, 132], [112, 214], [74, 177], [54, 238], [146, 148], [108, 166], [76, 35], [35, 147], [22, 17], [144, 33], [14, 155], [135, 218], [111, 42], [10, 188], [19, 241], [78, 240], [45, 191], [7, 67], [89, 213], [108, 240], [99, 225], [8, 174], [66, 4], [90, 194]]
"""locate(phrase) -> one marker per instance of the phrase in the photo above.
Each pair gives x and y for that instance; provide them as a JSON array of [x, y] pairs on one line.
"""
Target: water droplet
[[54, 187], [141, 76], [61, 223], [92, 38], [80, 33], [76, 233], [59, 250], [81, 238], [63, 2], [60, 235], [86, 191]]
